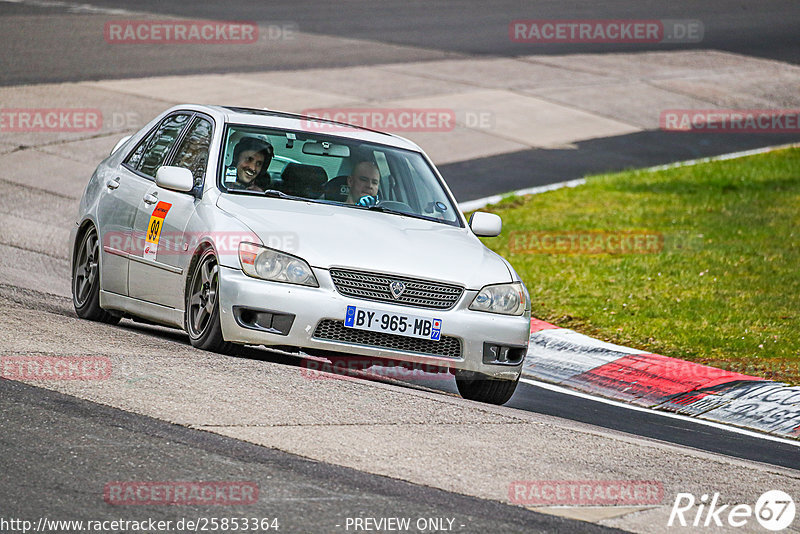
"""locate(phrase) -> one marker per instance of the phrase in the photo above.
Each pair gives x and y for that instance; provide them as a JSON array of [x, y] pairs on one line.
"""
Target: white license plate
[[393, 323]]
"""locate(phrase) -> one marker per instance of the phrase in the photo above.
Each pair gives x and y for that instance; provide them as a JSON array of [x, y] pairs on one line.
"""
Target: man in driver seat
[[248, 169], [363, 181]]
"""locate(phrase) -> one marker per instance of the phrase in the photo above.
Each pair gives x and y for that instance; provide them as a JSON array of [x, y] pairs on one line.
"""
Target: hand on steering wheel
[[367, 201]]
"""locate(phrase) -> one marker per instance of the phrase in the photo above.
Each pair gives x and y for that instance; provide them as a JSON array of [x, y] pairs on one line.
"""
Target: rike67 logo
[[774, 510]]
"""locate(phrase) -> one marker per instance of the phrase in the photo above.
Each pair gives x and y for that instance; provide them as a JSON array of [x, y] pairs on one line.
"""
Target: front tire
[[481, 388], [202, 306], [86, 280]]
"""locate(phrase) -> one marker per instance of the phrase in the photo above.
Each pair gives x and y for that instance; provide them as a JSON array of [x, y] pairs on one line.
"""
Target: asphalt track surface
[[679, 431], [74, 443], [766, 29], [66, 449], [304, 496], [418, 29]]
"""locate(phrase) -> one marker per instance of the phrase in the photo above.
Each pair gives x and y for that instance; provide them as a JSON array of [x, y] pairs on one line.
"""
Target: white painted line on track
[[471, 205], [481, 202], [721, 157], [73, 7], [618, 404]]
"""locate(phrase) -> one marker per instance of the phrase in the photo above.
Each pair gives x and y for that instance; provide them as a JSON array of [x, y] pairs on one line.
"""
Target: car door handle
[[113, 184], [150, 199]]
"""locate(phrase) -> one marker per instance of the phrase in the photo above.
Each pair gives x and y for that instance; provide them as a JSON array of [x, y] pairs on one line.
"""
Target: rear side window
[[192, 153], [150, 153]]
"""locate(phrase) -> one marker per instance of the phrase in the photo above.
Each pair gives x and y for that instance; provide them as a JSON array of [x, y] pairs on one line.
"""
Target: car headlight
[[268, 264], [507, 299]]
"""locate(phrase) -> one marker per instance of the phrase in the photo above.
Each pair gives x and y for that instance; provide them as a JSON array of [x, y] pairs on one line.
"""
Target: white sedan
[[256, 227]]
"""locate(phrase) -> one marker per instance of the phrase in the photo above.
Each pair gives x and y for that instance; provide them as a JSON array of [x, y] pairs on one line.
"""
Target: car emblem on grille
[[397, 287]]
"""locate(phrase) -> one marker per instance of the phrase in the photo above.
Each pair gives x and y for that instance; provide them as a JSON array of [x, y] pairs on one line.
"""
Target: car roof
[[294, 121]]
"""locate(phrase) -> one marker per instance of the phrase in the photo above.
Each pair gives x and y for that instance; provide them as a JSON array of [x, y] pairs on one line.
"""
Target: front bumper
[[311, 305]]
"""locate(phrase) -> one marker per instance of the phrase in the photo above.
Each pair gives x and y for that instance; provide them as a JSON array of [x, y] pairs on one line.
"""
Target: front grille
[[447, 346], [374, 286]]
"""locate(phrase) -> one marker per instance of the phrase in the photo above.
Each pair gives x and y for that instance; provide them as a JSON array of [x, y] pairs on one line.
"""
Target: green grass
[[725, 288]]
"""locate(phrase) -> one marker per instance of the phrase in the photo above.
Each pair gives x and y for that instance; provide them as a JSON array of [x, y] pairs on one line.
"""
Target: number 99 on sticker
[[154, 232], [154, 229]]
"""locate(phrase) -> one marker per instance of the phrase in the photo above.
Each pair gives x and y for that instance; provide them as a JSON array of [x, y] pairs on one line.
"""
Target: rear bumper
[[311, 305]]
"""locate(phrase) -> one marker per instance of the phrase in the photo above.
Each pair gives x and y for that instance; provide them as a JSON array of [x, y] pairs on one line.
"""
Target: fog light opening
[[497, 354]]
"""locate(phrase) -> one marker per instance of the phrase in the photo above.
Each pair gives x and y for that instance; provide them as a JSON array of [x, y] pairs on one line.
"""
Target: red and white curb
[[578, 362], [567, 358]]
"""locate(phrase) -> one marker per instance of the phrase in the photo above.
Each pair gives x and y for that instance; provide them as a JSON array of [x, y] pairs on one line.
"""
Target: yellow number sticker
[[154, 229]]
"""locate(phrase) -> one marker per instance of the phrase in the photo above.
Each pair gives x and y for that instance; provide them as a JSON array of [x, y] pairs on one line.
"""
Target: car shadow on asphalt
[[334, 366]]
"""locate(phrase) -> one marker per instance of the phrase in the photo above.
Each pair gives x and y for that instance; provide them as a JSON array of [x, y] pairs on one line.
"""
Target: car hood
[[336, 236]]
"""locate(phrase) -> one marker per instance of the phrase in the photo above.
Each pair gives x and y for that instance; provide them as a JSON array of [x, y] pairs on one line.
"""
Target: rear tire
[[86, 280], [481, 388], [202, 306]]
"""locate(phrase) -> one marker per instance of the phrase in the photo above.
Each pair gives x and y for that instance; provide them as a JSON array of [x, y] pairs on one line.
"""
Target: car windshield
[[328, 169]]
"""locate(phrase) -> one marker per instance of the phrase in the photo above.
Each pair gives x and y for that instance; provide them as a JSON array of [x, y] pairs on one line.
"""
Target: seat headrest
[[303, 180], [337, 189]]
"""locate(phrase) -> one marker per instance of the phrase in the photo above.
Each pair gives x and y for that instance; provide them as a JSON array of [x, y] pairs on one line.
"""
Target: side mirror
[[120, 143], [175, 178], [485, 224]]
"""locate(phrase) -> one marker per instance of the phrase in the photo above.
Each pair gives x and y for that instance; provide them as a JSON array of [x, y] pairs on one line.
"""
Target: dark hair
[[257, 145]]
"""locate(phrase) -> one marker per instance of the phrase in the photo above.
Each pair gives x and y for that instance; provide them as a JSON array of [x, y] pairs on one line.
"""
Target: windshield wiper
[[276, 194], [378, 208], [382, 209]]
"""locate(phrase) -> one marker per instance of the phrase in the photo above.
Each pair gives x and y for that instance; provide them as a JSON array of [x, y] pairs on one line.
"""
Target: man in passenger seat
[[363, 180]]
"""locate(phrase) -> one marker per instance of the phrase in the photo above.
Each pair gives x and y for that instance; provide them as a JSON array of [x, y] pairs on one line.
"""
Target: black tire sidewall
[[91, 308], [211, 338], [481, 388]]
